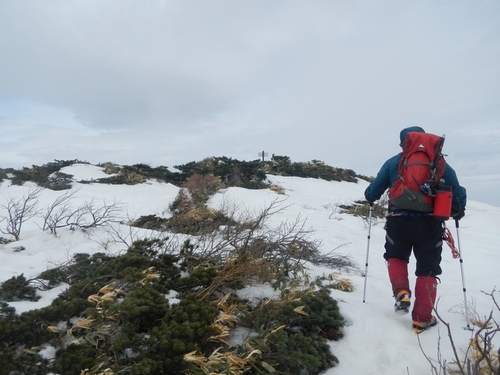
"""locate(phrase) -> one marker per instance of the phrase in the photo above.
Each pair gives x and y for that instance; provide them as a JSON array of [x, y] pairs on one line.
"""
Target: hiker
[[414, 229]]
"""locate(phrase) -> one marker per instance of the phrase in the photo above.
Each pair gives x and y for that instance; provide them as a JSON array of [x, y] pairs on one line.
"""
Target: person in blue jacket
[[420, 232]]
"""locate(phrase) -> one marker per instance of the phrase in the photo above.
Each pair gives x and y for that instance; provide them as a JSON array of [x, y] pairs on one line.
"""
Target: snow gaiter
[[425, 296], [398, 275]]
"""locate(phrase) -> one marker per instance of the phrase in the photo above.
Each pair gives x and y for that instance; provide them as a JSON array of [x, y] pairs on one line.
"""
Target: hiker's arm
[[384, 179], [458, 192]]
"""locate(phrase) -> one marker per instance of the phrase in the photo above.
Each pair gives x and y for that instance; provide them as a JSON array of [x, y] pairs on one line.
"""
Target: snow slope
[[376, 340]]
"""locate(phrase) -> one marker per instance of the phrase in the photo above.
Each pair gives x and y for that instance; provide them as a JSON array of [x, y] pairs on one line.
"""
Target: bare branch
[[58, 212], [19, 211], [91, 216]]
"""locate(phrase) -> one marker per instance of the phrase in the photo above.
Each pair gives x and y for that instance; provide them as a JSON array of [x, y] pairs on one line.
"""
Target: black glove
[[457, 215]]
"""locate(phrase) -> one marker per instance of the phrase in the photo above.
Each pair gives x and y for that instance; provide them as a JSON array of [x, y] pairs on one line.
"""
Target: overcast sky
[[169, 82]]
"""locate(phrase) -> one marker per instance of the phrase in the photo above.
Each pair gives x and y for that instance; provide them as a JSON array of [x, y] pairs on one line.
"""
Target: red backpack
[[421, 167]]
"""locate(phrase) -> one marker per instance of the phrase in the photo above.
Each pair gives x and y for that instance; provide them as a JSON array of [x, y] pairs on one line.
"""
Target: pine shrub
[[17, 288], [293, 331], [115, 314], [47, 175], [110, 168], [115, 318], [152, 222], [283, 166]]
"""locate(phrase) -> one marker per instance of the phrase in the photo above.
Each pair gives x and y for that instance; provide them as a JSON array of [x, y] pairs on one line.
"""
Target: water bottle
[[442, 202]]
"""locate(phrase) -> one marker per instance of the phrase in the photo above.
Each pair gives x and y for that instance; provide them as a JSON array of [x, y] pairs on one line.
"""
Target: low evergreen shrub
[[283, 166], [292, 331], [152, 222], [46, 176], [17, 288], [3, 173], [115, 318]]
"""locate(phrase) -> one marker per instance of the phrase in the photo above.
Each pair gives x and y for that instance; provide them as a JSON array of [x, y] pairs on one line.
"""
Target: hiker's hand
[[457, 215]]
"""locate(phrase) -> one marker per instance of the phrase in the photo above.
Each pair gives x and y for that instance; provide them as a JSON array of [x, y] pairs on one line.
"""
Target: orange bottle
[[442, 202]]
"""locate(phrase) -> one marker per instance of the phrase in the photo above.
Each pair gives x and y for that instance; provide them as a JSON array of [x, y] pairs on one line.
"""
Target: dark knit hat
[[405, 131]]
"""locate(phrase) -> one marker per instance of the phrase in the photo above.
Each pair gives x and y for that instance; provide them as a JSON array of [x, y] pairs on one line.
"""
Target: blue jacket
[[389, 173]]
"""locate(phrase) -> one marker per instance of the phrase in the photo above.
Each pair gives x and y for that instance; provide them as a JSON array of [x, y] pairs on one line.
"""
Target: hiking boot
[[402, 305], [419, 327]]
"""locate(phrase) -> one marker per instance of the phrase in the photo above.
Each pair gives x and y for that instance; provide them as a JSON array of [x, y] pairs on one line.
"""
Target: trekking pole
[[457, 225], [368, 247]]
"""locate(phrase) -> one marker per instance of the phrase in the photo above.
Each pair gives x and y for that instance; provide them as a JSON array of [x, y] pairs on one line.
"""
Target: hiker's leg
[[428, 255], [398, 275], [397, 253], [425, 297]]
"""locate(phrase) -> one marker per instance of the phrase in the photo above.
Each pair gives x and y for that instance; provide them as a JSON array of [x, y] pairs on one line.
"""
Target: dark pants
[[421, 234]]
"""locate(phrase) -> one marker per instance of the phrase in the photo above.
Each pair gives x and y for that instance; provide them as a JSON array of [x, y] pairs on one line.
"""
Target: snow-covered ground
[[376, 340]]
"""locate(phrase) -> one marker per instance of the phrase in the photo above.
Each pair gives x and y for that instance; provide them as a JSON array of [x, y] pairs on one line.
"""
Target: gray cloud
[[168, 82]]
